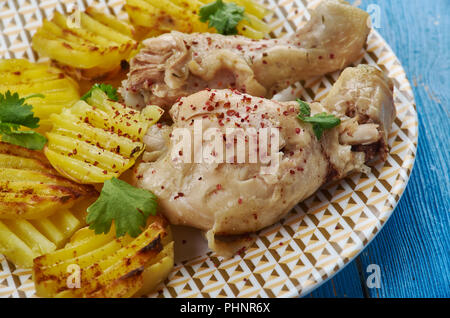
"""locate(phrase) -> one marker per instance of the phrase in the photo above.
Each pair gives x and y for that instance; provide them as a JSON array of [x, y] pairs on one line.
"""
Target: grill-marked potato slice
[[28, 78], [152, 18], [89, 43], [31, 189], [95, 141], [106, 266]]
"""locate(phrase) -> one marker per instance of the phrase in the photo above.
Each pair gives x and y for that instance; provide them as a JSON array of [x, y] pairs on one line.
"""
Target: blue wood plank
[[345, 284], [413, 248]]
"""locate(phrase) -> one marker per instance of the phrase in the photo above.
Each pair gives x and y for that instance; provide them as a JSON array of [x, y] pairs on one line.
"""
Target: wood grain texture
[[413, 249]]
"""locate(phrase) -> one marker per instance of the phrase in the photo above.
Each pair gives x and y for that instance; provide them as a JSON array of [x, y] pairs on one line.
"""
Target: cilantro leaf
[[26, 138], [305, 110], [13, 110], [14, 113], [128, 206], [110, 91], [320, 122], [224, 17]]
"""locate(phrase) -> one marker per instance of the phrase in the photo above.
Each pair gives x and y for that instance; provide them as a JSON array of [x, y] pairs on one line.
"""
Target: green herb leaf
[[128, 206], [320, 122], [110, 91], [224, 17], [305, 110], [15, 113], [26, 138]]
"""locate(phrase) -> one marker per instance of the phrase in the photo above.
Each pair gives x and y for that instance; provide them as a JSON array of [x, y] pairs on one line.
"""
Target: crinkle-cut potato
[[23, 240], [31, 189], [107, 266], [96, 140], [26, 78], [152, 18], [89, 44]]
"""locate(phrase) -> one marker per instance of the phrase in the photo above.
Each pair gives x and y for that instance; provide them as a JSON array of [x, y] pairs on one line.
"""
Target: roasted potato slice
[[31, 189], [28, 78], [96, 140], [152, 18], [91, 46], [22, 240], [106, 266]]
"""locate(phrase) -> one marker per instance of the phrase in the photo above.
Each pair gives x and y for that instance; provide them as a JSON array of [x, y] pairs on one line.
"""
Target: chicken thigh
[[225, 197], [175, 64]]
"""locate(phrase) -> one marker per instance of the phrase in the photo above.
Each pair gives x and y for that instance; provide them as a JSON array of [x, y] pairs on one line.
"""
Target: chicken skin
[[175, 64], [230, 198]]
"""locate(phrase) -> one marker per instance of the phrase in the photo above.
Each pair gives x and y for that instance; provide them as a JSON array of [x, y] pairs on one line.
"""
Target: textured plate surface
[[320, 235]]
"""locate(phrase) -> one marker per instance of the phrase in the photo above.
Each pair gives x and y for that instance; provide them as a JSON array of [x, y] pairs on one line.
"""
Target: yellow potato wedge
[[87, 44], [96, 140], [31, 189], [104, 266], [28, 78]]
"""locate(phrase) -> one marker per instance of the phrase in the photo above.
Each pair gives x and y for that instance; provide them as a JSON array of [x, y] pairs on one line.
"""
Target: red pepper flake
[[230, 112], [105, 172], [331, 56], [179, 195], [320, 57], [239, 201], [291, 171], [219, 187], [210, 108], [297, 130]]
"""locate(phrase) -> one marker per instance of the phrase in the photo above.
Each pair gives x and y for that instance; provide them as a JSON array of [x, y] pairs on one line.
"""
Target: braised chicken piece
[[174, 65], [227, 198]]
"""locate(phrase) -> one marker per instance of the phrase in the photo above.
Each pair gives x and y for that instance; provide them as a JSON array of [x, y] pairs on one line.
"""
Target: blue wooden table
[[413, 249]]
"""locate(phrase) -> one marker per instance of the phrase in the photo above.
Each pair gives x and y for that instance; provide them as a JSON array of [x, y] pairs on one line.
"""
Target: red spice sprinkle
[[230, 112], [297, 130], [239, 201], [210, 108], [219, 187], [291, 171], [180, 194], [331, 56], [320, 57]]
